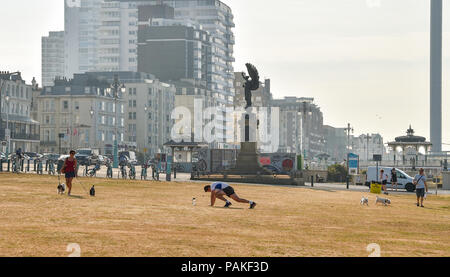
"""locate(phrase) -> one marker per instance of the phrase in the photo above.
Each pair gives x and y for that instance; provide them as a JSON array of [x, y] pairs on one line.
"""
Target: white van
[[404, 180]]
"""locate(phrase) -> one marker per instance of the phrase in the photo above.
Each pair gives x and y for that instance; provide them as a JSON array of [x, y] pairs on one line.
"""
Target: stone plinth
[[248, 161]]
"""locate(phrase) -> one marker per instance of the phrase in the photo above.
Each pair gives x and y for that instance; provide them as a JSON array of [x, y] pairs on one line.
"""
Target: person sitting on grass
[[220, 189], [420, 181]]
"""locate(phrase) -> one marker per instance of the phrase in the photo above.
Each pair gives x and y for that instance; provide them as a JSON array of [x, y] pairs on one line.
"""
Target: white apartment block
[[52, 57], [101, 35]]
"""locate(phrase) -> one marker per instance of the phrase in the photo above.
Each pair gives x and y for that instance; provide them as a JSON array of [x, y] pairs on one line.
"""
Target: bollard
[[35, 161], [1, 165], [87, 170], [312, 181], [348, 182], [46, 165], [9, 165], [28, 166], [22, 167], [175, 172]]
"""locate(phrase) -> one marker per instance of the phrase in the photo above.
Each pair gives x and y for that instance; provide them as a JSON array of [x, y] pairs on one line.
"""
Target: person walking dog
[[70, 170]]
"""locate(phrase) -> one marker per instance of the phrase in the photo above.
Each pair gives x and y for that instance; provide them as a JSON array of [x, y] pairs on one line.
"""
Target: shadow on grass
[[76, 197], [230, 208]]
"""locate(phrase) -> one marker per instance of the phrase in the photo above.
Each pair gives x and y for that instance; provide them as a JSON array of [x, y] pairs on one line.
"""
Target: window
[[66, 105]]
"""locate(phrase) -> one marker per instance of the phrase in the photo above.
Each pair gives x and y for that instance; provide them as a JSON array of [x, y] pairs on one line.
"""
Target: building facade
[[102, 35], [52, 57], [336, 143], [190, 93], [174, 50], [15, 106], [368, 145], [83, 113], [301, 126], [148, 108], [82, 28]]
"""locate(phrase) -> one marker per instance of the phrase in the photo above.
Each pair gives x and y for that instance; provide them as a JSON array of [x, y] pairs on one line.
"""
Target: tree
[[337, 173]]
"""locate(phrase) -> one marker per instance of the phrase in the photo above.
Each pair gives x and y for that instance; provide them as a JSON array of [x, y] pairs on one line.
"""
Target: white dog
[[61, 188], [383, 201], [365, 201]]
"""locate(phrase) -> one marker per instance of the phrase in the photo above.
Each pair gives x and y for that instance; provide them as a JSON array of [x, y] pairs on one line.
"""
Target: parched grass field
[[134, 218]]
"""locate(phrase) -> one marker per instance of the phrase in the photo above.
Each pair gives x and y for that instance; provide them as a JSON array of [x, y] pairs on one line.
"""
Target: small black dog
[[92, 191]]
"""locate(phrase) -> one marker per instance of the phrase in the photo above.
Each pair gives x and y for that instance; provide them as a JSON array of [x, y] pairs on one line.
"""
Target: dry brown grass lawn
[[133, 218]]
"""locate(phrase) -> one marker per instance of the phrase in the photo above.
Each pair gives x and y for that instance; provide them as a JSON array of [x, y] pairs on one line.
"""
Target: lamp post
[[7, 131], [115, 88], [146, 128], [92, 113]]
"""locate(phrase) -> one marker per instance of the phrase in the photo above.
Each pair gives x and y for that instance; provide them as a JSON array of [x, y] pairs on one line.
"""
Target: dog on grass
[[92, 191], [364, 201], [61, 189], [383, 201]]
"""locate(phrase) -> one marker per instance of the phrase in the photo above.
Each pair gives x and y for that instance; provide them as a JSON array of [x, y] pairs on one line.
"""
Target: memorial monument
[[248, 162]]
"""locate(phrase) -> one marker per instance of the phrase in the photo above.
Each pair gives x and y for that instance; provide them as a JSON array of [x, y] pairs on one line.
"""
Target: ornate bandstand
[[410, 147]]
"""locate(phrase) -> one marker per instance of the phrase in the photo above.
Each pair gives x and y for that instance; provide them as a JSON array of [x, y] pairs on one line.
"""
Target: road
[[186, 177]]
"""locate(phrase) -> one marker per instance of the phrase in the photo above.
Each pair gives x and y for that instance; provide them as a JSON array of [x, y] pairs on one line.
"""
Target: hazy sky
[[366, 62]]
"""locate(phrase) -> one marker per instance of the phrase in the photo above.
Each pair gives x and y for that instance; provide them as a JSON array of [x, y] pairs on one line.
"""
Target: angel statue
[[250, 84]]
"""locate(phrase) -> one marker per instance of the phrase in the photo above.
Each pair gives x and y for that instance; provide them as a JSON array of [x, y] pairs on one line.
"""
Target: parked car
[[50, 156], [83, 159], [93, 156], [404, 180], [2, 156], [63, 157], [33, 156]]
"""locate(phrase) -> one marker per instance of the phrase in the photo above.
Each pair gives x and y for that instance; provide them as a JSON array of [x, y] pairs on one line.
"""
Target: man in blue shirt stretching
[[220, 189]]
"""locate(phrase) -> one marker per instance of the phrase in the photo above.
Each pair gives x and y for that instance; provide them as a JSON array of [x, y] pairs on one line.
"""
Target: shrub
[[337, 173]]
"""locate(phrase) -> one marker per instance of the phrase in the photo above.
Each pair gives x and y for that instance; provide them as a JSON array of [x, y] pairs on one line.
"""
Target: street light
[[115, 88], [92, 113], [7, 131]]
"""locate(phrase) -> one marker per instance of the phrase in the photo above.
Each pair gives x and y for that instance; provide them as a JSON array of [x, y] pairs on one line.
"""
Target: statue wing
[[253, 72]]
